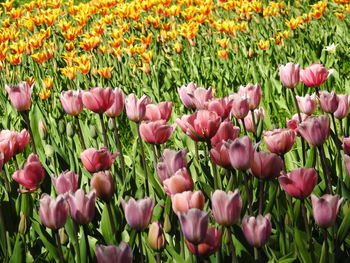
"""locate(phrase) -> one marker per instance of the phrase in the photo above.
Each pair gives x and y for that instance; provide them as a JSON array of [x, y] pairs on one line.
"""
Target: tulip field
[[174, 131]]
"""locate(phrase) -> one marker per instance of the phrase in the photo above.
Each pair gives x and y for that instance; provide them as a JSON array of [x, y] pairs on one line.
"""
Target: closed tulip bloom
[[68, 181], [257, 230], [259, 115], [220, 154], [156, 237], [347, 163], [346, 145], [325, 209], [226, 207], [253, 93], [31, 176], [279, 141], [53, 212], [201, 96], [225, 132], [118, 104], [293, 123], [328, 101], [114, 254], [241, 153], [72, 102], [180, 182], [182, 202], [136, 108], [307, 104], [161, 111], [156, 132], [103, 184], [97, 160], [240, 106], [299, 183], [98, 99], [210, 244], [222, 107], [82, 206], [315, 130], [194, 225], [186, 95], [266, 165], [343, 107], [20, 95], [315, 75], [290, 75], [138, 213]]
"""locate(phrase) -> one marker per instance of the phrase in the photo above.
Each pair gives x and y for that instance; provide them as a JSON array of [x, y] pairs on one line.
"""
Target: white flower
[[331, 48]]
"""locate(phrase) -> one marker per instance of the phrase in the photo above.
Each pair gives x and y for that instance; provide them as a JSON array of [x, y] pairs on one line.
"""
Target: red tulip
[[53, 212], [257, 230], [314, 75], [279, 141], [72, 102], [240, 106], [328, 101], [136, 108], [103, 184], [82, 206], [156, 132], [98, 99], [97, 160], [114, 254], [222, 107], [241, 153], [289, 75], [20, 95], [225, 132], [180, 182], [266, 165], [209, 245], [343, 106], [117, 106], [253, 93], [325, 209], [68, 181], [220, 154], [226, 207], [315, 130], [182, 202], [161, 111], [307, 104]]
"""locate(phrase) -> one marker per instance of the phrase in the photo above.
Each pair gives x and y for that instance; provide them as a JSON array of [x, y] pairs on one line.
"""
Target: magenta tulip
[[20, 95], [180, 182], [136, 108], [289, 75], [307, 104], [314, 75], [343, 107], [117, 106], [53, 212], [114, 254], [98, 99], [156, 132], [266, 165], [225, 132], [315, 130], [325, 209], [328, 101], [68, 181], [182, 202], [72, 102], [82, 206], [97, 160], [209, 245], [257, 230], [279, 141], [226, 207], [161, 111], [253, 93], [241, 153]]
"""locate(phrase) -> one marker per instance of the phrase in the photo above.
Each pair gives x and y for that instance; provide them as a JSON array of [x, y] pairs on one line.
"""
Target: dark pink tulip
[[182, 202], [289, 75], [72, 102], [161, 111], [68, 181], [53, 212], [343, 106], [138, 213], [259, 115], [82, 206], [293, 123], [241, 153], [118, 104], [226, 207], [325, 209], [307, 104], [279, 141], [18, 140], [315, 130], [156, 132], [31, 176], [170, 162], [346, 145], [266, 165], [328, 101], [186, 95], [1, 160], [222, 107], [20, 95], [220, 154], [257, 230], [98, 99], [347, 163], [225, 132], [240, 106], [209, 245], [97, 160], [194, 225], [6, 148], [253, 93], [103, 184], [299, 183], [114, 254], [180, 182], [136, 108], [201, 96], [315, 75]]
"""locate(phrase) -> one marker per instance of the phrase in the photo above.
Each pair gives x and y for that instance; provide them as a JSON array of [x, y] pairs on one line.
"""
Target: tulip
[[180, 182], [225, 132], [315, 130], [315, 75], [253, 93], [156, 132], [53, 212], [161, 111], [156, 238], [97, 160], [241, 153], [347, 164], [182, 202], [186, 95], [6, 148], [220, 154], [209, 245], [325, 209], [72, 102], [279, 141], [201, 96], [226, 207], [103, 184], [346, 145], [118, 104], [289, 75], [31, 176], [194, 225], [257, 230], [266, 165], [299, 183], [240, 106], [259, 115], [328, 101], [82, 206], [20, 95], [343, 106], [136, 108], [307, 104], [13, 142], [138, 213], [98, 99], [222, 107], [114, 254], [68, 181], [1, 160], [293, 123]]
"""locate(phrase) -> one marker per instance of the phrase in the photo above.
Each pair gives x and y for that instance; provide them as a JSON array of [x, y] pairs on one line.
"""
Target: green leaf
[[311, 159], [18, 251], [106, 228], [301, 244], [344, 228]]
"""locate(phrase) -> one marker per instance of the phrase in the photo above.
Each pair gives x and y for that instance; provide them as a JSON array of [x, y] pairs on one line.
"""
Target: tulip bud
[[49, 150], [167, 223], [63, 236], [103, 184], [42, 129], [93, 132], [23, 223], [250, 52], [111, 124], [61, 126], [156, 238], [70, 129]]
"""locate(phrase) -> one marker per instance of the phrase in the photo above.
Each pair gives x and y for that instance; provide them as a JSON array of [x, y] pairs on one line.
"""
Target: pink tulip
[[259, 115], [1, 160], [98, 99], [257, 230], [201, 96], [307, 104], [138, 213], [97, 160], [289, 75], [17, 142], [161, 111], [103, 184], [53, 212], [209, 245], [194, 225], [20, 95], [72, 102], [241, 153], [225, 132], [279, 141], [180, 182], [293, 123], [253, 93], [328, 101], [240, 106], [299, 183], [118, 104], [226, 207], [315, 75], [7, 149], [315, 130], [68, 181], [346, 145], [266, 165], [114, 254], [325, 209], [347, 164], [186, 95], [82, 206], [182, 202], [220, 154], [156, 237], [136, 108], [156, 132], [31, 176], [343, 106], [222, 107]]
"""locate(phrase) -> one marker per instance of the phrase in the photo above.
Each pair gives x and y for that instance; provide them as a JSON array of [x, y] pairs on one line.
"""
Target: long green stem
[[232, 247], [307, 229], [244, 128], [76, 244], [326, 245], [334, 125], [6, 181], [26, 118], [249, 199], [143, 157], [254, 125], [140, 246], [104, 132], [217, 179], [111, 219], [261, 196], [81, 137], [87, 243], [120, 149], [325, 169], [59, 247]]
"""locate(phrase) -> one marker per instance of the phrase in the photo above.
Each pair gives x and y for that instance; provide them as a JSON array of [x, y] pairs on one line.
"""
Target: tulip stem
[[58, 243], [325, 169], [261, 196], [341, 127], [104, 133], [256, 254], [15, 162], [119, 146], [154, 155], [249, 200], [140, 246], [244, 128], [25, 115], [306, 224], [87, 243], [284, 169], [334, 125], [76, 244], [143, 159], [158, 258], [217, 179], [326, 245], [232, 247], [254, 125], [6, 181], [111, 219], [81, 137], [196, 150]]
